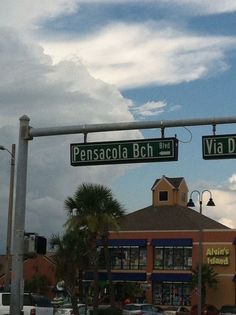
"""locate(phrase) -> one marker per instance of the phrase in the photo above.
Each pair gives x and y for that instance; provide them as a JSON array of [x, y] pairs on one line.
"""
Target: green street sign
[[219, 147], [128, 151]]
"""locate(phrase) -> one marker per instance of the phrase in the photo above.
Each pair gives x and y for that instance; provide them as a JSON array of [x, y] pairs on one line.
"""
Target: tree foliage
[[209, 279], [92, 212], [38, 284]]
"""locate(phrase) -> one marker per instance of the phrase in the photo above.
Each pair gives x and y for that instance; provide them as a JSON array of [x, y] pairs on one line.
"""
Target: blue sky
[[73, 62]]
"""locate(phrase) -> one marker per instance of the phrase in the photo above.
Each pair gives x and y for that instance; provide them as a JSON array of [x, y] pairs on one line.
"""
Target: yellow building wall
[[222, 258], [175, 196]]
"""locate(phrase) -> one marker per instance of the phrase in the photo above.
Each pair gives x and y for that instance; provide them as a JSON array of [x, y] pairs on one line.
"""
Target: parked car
[[207, 309], [228, 310], [176, 310], [140, 309], [67, 309], [32, 304]]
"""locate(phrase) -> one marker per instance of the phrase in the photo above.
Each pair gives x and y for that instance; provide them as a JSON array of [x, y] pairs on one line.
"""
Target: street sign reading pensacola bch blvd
[[219, 147], [128, 151]]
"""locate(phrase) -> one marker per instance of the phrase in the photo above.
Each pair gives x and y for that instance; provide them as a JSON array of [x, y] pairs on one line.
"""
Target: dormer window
[[163, 195]]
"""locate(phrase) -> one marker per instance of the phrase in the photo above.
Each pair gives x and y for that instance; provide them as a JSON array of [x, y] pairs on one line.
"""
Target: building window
[[125, 257], [171, 293], [163, 195], [172, 257]]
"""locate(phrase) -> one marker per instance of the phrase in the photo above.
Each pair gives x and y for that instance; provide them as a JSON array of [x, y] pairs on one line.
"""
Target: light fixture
[[190, 203], [210, 203]]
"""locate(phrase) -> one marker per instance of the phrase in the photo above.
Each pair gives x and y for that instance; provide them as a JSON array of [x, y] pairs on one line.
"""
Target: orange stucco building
[[157, 247], [41, 265]]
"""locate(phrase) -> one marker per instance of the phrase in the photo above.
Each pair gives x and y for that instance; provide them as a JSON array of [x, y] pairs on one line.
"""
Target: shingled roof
[[167, 218], [174, 181]]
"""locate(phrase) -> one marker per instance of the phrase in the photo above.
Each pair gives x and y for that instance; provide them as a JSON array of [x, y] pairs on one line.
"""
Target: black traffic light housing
[[40, 245], [35, 244]]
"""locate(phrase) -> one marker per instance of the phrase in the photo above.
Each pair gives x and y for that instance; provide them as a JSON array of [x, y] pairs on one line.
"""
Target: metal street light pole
[[200, 245], [9, 219]]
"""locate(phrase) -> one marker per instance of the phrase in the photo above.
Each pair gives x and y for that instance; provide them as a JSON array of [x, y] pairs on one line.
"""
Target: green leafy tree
[[209, 279], [38, 284], [94, 209], [71, 259]]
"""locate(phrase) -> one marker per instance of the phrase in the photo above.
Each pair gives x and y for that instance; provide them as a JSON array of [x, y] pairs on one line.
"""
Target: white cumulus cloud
[[52, 95], [150, 108], [133, 55], [27, 14]]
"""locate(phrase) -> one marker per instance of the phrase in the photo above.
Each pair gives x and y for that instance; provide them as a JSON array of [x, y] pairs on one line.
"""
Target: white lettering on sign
[[231, 145], [75, 152], [214, 147], [100, 154], [165, 146], [143, 151]]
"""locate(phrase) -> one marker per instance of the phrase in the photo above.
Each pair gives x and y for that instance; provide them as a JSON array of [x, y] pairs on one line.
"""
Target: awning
[[125, 242], [122, 276], [174, 277], [172, 242]]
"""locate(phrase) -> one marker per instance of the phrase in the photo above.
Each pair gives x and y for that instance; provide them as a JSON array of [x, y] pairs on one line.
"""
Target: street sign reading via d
[[128, 151], [219, 147]]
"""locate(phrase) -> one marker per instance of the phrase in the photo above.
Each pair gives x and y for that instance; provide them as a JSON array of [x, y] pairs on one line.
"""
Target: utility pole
[[17, 282], [10, 213], [9, 219]]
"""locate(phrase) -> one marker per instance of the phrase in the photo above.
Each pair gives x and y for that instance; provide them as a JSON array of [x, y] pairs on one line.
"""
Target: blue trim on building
[[234, 278], [125, 242], [172, 242], [122, 276], [234, 241], [174, 277]]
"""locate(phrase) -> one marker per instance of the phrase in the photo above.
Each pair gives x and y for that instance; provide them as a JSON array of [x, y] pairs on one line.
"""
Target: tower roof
[[174, 181]]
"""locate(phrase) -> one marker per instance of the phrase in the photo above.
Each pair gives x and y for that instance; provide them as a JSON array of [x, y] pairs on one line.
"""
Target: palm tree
[[209, 279], [94, 208]]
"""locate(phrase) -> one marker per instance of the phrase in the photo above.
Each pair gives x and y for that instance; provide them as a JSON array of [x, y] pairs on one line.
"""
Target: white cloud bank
[[134, 55], [224, 196], [26, 14], [52, 95]]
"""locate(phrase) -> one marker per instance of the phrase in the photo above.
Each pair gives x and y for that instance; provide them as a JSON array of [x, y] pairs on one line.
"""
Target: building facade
[[35, 268], [157, 248]]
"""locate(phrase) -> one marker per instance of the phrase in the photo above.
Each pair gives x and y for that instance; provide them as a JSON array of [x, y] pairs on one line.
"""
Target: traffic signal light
[[40, 245], [34, 244]]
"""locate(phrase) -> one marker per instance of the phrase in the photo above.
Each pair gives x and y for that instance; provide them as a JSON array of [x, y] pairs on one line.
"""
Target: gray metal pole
[[65, 130], [17, 285], [200, 251], [9, 219], [200, 242]]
